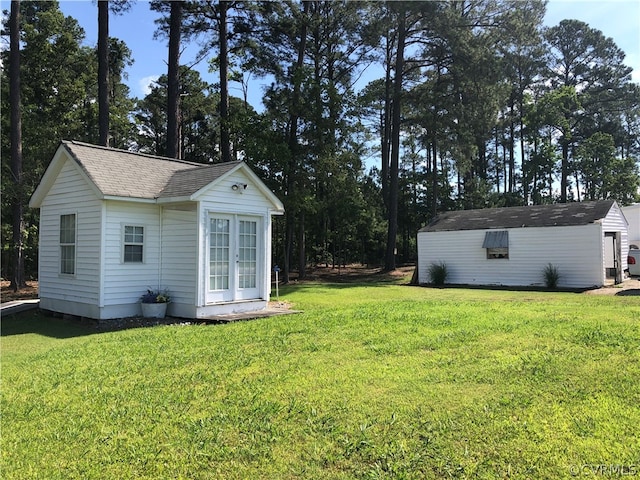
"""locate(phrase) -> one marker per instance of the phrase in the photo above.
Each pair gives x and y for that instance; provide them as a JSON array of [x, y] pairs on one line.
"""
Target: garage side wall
[[79, 293], [180, 259], [124, 282], [575, 251]]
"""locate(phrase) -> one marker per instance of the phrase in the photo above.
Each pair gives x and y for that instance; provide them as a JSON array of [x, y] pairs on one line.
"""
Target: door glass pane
[[247, 254], [219, 254]]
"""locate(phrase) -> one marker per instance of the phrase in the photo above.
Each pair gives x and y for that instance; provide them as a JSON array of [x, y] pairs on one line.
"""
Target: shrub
[[551, 276], [438, 273], [155, 296]]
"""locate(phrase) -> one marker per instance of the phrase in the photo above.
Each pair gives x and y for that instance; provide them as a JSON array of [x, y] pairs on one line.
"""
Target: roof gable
[[124, 175], [185, 183], [561, 214], [119, 173]]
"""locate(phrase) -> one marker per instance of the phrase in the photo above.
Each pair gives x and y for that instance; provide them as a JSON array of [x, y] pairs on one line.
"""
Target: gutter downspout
[[160, 236]]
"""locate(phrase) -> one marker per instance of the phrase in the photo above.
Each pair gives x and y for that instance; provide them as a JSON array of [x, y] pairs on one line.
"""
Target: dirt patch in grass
[[8, 295], [629, 287], [355, 274]]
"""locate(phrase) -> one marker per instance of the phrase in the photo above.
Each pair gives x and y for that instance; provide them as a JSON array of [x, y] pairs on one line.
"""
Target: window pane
[[67, 244], [67, 259], [247, 266], [133, 234], [133, 253], [219, 254], [133, 243], [68, 228]]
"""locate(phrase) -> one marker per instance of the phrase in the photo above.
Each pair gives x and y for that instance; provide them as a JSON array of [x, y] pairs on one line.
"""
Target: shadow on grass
[[35, 321], [629, 292]]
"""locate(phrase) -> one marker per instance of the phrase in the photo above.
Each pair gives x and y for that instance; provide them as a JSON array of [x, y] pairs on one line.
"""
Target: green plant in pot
[[154, 303]]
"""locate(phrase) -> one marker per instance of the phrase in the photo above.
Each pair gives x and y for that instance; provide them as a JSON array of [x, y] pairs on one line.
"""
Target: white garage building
[[586, 241]]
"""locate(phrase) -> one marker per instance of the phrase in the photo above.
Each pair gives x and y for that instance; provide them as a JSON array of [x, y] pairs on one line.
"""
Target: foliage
[[551, 275], [369, 382], [155, 296], [438, 273], [481, 107], [59, 92]]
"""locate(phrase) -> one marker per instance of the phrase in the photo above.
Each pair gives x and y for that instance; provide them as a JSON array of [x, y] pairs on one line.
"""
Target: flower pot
[[154, 310]]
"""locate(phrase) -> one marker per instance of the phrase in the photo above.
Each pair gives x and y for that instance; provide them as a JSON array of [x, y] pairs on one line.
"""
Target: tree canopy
[[473, 104]]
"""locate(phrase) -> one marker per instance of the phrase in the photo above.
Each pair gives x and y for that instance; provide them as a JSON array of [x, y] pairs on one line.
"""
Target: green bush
[[438, 273], [551, 276]]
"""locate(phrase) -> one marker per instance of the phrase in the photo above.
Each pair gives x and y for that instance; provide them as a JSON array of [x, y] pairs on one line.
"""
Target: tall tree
[[225, 141], [17, 277], [117, 6], [173, 74], [103, 72], [396, 109], [58, 83], [582, 58]]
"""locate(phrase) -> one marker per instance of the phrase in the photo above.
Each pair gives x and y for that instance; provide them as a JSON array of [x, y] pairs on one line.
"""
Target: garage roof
[[560, 214]]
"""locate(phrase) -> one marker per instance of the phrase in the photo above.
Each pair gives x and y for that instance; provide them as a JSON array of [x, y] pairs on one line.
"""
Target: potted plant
[[154, 303]]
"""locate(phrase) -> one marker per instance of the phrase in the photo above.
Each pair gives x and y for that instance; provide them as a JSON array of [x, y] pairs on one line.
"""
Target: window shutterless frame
[[68, 241], [133, 243]]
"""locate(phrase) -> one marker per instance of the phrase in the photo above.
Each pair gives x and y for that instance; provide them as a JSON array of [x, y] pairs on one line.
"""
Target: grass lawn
[[371, 381]]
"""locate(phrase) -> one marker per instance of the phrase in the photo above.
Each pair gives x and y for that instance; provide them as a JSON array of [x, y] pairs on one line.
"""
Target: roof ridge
[[221, 164], [129, 152]]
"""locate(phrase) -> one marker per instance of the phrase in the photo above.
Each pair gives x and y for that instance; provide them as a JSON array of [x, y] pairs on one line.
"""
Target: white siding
[[180, 259], [577, 252], [632, 213], [616, 222], [174, 251], [69, 194], [124, 283], [222, 198]]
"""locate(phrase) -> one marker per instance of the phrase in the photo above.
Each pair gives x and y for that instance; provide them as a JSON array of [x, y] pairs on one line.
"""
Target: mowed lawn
[[370, 381]]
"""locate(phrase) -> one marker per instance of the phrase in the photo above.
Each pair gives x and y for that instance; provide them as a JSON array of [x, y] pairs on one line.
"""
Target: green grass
[[370, 381]]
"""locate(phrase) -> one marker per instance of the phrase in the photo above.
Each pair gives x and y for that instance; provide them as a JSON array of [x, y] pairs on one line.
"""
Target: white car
[[633, 260]]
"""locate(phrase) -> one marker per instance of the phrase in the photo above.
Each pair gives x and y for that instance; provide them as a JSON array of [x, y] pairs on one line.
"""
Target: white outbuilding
[[115, 223], [632, 214], [587, 242]]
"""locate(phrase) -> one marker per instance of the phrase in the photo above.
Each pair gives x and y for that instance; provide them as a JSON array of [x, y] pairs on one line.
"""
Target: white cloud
[[146, 83]]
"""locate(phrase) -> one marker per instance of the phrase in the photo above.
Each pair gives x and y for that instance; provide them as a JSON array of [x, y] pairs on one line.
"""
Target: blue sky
[[619, 19]]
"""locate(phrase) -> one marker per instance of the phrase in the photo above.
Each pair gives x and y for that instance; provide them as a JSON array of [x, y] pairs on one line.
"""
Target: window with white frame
[[133, 244], [68, 244]]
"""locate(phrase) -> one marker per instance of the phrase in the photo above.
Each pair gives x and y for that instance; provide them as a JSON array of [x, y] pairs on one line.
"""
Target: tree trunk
[[392, 231], [173, 87], [564, 175], [17, 209], [302, 254], [103, 72], [512, 141], [225, 141], [523, 164], [385, 131], [292, 166], [434, 173]]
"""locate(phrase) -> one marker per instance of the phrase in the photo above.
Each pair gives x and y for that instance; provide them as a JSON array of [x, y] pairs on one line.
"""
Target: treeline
[[470, 104]]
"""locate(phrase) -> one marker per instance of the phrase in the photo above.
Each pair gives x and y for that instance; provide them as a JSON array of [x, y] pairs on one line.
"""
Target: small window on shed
[[133, 244], [68, 244], [497, 244]]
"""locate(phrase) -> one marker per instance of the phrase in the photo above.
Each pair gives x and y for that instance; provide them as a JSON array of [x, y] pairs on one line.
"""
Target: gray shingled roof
[[120, 173], [561, 214], [186, 182]]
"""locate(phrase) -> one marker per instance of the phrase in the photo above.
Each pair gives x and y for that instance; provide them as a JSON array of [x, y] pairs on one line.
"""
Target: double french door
[[234, 258]]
